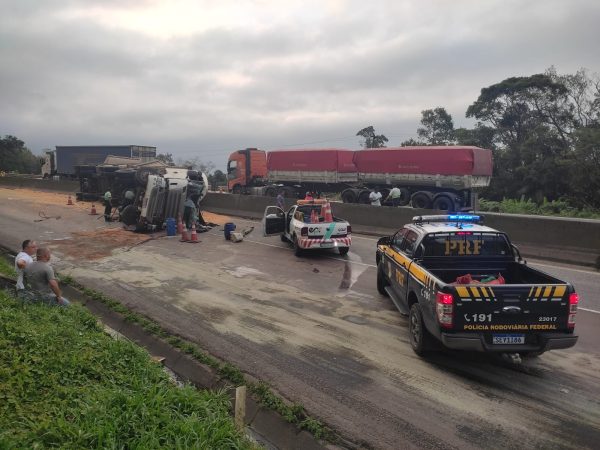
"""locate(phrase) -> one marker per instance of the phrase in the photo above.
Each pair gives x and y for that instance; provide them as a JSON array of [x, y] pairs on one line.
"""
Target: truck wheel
[[237, 189], [297, 249], [363, 197], [141, 176], [382, 283], [404, 197], [444, 202], [343, 250], [421, 200], [271, 192], [283, 238], [420, 339], [348, 196], [129, 215]]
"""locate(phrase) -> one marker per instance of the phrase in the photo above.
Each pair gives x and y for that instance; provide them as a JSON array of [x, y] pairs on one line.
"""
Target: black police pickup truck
[[465, 285]]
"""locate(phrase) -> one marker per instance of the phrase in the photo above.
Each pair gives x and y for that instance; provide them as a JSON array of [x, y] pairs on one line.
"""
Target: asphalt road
[[316, 329]]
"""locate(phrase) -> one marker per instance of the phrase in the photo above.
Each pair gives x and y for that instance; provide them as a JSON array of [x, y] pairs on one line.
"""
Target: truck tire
[[444, 202], [382, 283], [421, 340], [348, 196], [283, 238], [404, 197], [271, 192], [297, 249], [237, 189], [129, 215], [141, 176], [363, 197], [344, 250], [421, 200]]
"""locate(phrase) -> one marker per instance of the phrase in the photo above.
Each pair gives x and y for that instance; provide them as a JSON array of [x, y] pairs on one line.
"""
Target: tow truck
[[308, 225], [465, 285]]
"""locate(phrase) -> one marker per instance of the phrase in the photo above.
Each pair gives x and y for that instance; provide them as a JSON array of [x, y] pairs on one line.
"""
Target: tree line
[[543, 129]]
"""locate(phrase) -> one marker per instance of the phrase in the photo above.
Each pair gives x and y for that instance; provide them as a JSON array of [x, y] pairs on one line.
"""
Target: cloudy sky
[[204, 78]]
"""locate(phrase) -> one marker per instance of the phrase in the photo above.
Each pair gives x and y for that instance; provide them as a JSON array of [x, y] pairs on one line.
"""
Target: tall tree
[[370, 139], [533, 129], [438, 127], [14, 156]]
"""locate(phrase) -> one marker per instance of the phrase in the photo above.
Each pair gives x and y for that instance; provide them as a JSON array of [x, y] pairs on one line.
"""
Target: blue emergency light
[[446, 218]]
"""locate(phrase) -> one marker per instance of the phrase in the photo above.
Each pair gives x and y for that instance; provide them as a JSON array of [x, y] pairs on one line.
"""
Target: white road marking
[[588, 310], [587, 272]]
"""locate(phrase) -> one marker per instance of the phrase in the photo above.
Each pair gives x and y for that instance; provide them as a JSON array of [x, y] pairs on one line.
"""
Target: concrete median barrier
[[40, 184], [575, 241]]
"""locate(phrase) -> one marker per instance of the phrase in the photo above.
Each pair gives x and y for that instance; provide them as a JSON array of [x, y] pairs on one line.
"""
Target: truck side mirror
[[517, 254]]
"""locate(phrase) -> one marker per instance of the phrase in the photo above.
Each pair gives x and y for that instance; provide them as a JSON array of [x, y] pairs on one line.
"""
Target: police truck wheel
[[420, 339], [283, 238], [382, 283], [343, 250]]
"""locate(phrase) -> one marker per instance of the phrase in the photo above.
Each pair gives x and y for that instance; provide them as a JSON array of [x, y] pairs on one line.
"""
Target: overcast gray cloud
[[205, 78]]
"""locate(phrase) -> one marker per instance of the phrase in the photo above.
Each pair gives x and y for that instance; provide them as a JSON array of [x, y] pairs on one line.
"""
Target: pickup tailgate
[[511, 314]]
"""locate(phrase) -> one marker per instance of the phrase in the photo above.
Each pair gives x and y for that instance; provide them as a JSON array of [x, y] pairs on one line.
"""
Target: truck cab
[[308, 225], [245, 169]]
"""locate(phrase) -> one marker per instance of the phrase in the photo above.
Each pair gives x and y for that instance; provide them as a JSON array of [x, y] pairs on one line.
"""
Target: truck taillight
[[573, 302], [445, 309], [304, 231], [349, 229]]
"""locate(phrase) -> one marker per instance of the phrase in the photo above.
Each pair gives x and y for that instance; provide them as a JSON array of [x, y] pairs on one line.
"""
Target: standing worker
[[375, 197], [394, 195], [22, 260], [107, 206], [280, 200], [190, 213]]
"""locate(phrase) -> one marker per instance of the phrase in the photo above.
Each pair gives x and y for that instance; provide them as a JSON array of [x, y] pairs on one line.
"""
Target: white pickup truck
[[305, 227]]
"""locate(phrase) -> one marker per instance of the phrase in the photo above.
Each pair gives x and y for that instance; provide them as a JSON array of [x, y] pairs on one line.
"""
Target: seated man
[[42, 284]]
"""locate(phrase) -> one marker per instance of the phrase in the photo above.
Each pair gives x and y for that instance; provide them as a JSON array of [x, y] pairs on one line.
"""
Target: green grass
[[293, 413], [557, 208], [64, 383], [6, 268]]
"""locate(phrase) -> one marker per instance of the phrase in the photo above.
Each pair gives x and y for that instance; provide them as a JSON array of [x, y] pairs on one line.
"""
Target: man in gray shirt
[[42, 284]]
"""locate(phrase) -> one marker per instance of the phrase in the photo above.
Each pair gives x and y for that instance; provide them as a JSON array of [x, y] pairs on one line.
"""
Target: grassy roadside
[[293, 413], [65, 383], [555, 208]]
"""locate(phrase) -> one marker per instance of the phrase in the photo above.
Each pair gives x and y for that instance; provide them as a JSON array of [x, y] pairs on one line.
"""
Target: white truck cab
[[308, 225]]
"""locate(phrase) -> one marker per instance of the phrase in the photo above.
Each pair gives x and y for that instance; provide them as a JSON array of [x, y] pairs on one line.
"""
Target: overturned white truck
[[163, 196]]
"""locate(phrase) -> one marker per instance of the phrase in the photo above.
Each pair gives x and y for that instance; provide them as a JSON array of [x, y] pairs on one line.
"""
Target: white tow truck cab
[[308, 225]]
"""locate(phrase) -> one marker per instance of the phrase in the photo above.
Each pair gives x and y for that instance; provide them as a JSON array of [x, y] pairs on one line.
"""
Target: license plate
[[326, 244], [508, 339]]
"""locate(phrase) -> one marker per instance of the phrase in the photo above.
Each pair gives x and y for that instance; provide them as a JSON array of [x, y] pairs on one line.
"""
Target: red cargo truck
[[440, 177]]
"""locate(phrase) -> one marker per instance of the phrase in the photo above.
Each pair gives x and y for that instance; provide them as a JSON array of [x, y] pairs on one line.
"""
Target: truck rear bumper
[[477, 343]]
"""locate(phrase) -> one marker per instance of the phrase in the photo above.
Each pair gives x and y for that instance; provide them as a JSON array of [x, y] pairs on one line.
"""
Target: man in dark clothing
[[107, 206]]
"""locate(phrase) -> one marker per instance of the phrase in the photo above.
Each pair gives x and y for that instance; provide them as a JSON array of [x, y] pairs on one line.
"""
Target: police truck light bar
[[472, 218]]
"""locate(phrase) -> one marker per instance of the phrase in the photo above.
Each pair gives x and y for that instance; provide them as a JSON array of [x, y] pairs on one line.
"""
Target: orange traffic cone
[[179, 225], [327, 212], [184, 235], [194, 236], [69, 201], [93, 211]]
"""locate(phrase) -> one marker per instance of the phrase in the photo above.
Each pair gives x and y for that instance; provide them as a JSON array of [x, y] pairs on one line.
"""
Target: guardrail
[[40, 184], [575, 241]]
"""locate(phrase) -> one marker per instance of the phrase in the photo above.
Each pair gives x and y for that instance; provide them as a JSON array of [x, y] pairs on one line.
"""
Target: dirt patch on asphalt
[[215, 218], [43, 198], [92, 245]]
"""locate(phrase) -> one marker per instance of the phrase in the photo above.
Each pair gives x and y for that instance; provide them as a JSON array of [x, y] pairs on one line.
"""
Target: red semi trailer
[[440, 177]]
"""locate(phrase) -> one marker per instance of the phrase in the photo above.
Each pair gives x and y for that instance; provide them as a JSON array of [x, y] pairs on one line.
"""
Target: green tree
[[480, 136], [438, 127], [412, 143], [196, 163], [533, 124], [217, 178], [14, 156], [370, 139], [585, 171]]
